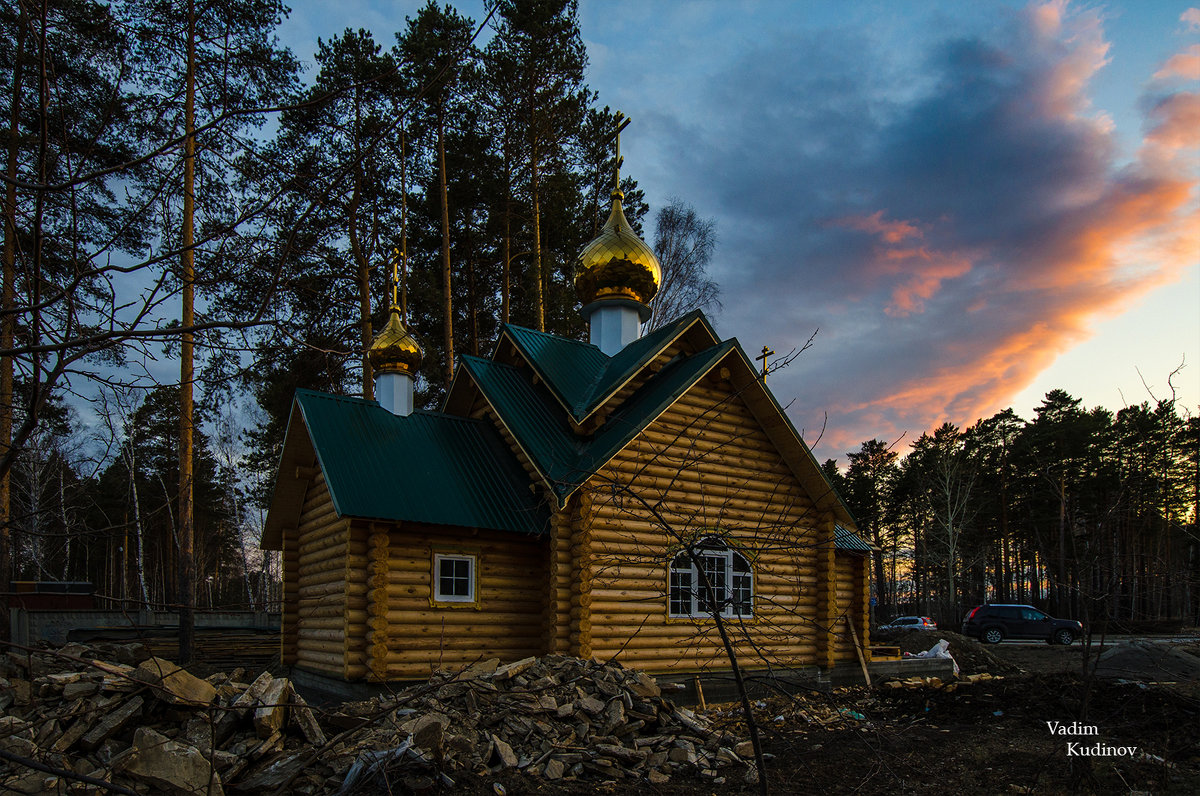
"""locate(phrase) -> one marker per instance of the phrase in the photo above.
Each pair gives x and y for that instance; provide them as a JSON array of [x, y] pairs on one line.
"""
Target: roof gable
[[566, 459], [581, 377]]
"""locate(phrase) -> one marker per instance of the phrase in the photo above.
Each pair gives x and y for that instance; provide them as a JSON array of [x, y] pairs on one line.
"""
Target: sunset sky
[[974, 203]]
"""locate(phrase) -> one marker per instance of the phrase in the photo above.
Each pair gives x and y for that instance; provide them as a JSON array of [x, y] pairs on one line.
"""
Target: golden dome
[[395, 350], [617, 263]]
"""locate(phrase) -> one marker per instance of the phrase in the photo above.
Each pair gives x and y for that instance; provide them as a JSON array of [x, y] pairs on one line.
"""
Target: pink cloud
[[1191, 18], [1060, 89], [1178, 122], [924, 273], [888, 231], [1185, 65]]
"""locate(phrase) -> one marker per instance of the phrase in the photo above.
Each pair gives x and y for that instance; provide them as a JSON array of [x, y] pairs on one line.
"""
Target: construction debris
[[553, 717], [155, 727]]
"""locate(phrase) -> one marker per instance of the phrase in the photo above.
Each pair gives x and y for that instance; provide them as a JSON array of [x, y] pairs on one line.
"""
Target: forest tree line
[[177, 190], [1085, 512]]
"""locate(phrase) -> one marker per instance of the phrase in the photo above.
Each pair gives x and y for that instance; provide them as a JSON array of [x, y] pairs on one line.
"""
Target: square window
[[454, 578]]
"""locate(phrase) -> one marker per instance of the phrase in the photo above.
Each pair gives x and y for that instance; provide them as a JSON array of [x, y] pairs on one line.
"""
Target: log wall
[[705, 466], [559, 580], [322, 543], [847, 600], [507, 620], [290, 612]]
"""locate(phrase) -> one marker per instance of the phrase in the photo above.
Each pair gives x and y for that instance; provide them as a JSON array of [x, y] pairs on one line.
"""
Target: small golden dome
[[617, 263], [395, 350]]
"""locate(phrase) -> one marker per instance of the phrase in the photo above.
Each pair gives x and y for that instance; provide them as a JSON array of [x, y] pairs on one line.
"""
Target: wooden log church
[[594, 499]]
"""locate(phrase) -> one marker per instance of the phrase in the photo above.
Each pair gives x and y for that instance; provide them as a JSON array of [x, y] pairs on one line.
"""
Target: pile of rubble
[[553, 717], [112, 727], [107, 727]]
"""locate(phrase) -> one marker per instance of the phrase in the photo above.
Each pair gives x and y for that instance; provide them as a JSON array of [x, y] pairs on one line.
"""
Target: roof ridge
[[332, 396], [554, 336]]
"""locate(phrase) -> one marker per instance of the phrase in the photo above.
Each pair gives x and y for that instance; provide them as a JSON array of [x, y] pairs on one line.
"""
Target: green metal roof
[[579, 374], [567, 459], [569, 367], [426, 467], [844, 539]]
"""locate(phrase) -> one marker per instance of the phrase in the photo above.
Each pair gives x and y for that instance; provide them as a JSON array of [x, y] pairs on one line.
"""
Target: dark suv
[[991, 624]]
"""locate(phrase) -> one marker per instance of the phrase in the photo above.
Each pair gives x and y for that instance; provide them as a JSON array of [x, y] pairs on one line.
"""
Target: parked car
[[909, 623], [992, 623]]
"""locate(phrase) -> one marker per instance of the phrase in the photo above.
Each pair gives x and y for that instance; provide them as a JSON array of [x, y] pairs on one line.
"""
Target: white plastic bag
[[939, 650]]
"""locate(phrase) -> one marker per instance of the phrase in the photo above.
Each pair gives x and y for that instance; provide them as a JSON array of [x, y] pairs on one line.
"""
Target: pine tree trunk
[[507, 243], [360, 259], [7, 322], [187, 573], [364, 290], [539, 278], [448, 327], [537, 253]]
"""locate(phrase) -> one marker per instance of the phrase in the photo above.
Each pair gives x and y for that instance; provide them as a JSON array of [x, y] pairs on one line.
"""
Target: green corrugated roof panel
[[565, 458], [531, 416], [427, 467], [569, 367], [845, 539], [580, 374]]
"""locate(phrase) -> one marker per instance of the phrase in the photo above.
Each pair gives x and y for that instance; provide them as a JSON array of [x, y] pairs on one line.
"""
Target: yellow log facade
[[382, 601]]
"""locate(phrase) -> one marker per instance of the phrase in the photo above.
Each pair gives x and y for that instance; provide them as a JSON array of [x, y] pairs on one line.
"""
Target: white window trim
[[438, 558], [724, 552]]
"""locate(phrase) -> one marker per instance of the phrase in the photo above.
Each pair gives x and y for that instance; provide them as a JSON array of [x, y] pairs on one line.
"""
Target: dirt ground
[[990, 737]]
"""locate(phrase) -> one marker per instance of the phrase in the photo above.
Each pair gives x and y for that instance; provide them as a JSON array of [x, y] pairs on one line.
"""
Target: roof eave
[[796, 452], [288, 496]]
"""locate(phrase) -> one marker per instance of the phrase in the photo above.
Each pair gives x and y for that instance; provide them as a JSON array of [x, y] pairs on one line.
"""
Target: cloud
[[1176, 122], [1185, 65], [1191, 19], [951, 222]]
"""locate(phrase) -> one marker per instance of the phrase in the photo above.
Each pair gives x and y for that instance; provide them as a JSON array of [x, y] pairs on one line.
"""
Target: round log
[[305, 645]]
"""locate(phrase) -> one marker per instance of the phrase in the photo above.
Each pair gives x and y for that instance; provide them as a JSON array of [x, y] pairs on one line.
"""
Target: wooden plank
[[862, 659]]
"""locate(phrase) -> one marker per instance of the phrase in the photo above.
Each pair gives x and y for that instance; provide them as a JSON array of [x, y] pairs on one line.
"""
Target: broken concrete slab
[[271, 712], [113, 723], [176, 683], [171, 766]]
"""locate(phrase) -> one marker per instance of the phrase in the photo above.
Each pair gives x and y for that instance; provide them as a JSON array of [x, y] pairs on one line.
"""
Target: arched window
[[728, 574]]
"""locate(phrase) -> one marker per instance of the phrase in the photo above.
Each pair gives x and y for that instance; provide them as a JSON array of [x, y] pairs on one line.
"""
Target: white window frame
[[684, 589], [438, 596]]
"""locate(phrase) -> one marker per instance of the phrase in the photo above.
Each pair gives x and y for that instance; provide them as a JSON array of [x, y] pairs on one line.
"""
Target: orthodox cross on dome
[[399, 298], [622, 122], [766, 352]]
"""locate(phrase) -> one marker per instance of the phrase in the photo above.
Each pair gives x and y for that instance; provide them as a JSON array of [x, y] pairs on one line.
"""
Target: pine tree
[[223, 59], [437, 58], [539, 44]]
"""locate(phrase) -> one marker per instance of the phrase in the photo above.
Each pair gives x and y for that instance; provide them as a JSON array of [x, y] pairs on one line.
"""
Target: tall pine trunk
[[507, 243], [360, 258], [7, 321], [540, 289], [187, 570], [449, 324]]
